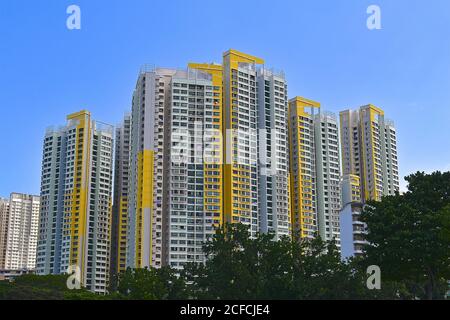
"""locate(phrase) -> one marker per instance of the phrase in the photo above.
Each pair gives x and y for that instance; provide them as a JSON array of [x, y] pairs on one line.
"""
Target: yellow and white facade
[[204, 146], [119, 225], [314, 171], [241, 203], [176, 181], [193, 182], [147, 156], [194, 157], [302, 167], [76, 200], [369, 151]]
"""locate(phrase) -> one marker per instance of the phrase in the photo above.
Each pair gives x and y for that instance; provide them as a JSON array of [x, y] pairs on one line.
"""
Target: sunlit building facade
[[119, 220], [369, 151], [208, 146], [370, 169], [273, 153], [352, 229], [76, 200], [4, 222], [314, 171], [18, 231], [193, 182], [146, 176]]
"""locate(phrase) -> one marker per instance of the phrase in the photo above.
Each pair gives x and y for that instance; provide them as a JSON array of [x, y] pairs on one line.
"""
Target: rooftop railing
[[272, 72]]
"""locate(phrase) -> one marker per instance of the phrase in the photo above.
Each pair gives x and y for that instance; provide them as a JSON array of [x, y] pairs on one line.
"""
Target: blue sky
[[325, 48]]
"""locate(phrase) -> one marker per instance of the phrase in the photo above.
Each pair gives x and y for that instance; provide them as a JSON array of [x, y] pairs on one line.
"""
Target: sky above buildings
[[325, 48]]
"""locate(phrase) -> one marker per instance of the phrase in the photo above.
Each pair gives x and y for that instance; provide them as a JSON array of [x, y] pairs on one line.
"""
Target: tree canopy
[[408, 238], [239, 267], [409, 235], [50, 287]]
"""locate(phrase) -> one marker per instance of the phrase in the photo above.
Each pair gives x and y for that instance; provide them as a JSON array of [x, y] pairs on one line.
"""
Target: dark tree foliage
[[409, 235], [409, 238], [151, 284], [51, 287], [242, 268]]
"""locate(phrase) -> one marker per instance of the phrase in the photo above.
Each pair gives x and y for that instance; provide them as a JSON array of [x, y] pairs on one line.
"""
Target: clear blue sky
[[325, 48]]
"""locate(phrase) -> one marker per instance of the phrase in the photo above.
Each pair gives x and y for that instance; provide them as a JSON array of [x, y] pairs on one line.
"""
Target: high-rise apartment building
[[177, 116], [76, 200], [193, 184], [328, 177], [369, 151], [19, 228], [273, 153], [208, 145], [146, 176], [315, 170], [119, 220], [241, 184], [352, 229], [370, 169], [4, 223], [302, 167]]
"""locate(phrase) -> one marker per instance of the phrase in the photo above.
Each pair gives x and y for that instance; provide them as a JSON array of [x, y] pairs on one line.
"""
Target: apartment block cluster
[[19, 220], [207, 145]]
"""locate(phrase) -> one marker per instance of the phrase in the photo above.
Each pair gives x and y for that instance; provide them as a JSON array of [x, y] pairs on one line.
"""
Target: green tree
[[239, 267], [151, 284], [49, 287], [409, 235], [319, 272], [231, 270]]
